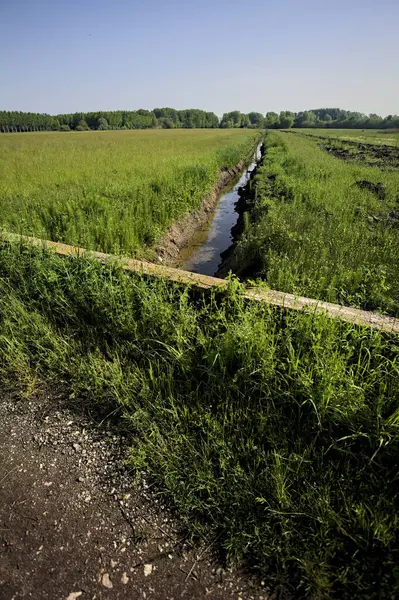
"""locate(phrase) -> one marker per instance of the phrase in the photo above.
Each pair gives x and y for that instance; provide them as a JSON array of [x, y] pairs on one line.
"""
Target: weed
[[114, 191], [323, 228], [274, 433]]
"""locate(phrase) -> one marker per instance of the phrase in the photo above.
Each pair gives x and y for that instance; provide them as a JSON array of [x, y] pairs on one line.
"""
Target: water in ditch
[[203, 254]]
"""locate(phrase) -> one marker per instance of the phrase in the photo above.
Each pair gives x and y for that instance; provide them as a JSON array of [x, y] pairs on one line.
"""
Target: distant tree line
[[169, 118], [319, 117], [344, 119]]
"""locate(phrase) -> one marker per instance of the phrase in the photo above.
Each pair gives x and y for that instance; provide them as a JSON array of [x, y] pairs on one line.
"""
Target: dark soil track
[[372, 155]]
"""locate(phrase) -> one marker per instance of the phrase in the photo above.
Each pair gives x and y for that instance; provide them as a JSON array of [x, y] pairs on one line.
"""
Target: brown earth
[[73, 524], [383, 157], [372, 155]]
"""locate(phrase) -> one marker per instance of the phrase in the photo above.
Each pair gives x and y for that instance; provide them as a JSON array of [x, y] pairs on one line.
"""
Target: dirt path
[[73, 524]]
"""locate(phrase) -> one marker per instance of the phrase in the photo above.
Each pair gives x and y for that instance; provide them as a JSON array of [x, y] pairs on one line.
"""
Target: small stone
[[113, 564], [74, 595], [76, 447], [105, 580], [124, 578], [147, 570]]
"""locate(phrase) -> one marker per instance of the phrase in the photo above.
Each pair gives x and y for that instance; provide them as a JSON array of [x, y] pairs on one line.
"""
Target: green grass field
[[388, 137], [115, 191], [315, 231], [275, 434]]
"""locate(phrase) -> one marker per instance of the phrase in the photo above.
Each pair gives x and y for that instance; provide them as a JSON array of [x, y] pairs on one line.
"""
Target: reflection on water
[[203, 254]]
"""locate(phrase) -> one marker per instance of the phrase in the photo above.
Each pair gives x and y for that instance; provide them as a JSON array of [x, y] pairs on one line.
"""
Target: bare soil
[[372, 155], [73, 524], [383, 157]]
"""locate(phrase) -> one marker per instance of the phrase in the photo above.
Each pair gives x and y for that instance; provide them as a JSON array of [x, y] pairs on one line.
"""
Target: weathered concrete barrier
[[204, 282]]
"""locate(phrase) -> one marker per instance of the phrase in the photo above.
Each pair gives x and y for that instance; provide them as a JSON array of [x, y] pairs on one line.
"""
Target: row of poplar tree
[[169, 118]]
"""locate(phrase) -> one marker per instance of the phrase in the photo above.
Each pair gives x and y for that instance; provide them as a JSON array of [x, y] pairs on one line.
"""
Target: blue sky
[[58, 56]]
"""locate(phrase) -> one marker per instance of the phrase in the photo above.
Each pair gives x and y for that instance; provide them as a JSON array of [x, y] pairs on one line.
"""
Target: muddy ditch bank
[[169, 249], [204, 254], [243, 209]]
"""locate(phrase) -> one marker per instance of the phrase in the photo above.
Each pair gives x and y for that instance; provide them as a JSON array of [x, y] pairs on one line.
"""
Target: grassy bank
[[323, 227], [115, 191], [275, 434]]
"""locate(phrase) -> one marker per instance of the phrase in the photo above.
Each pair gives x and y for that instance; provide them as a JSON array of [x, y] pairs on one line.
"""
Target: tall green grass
[[114, 191], [313, 231], [274, 433]]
